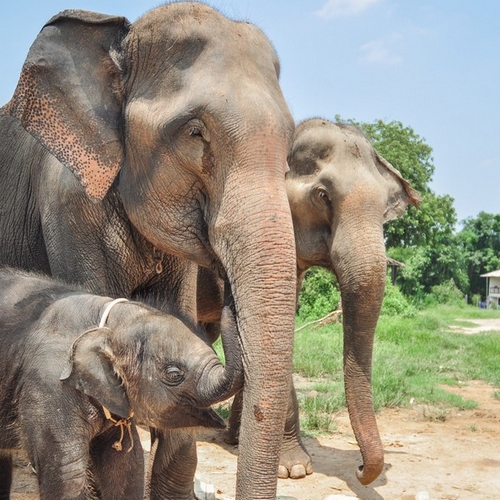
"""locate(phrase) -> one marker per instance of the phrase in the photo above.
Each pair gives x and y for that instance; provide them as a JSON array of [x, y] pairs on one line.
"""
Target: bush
[[446, 293], [395, 303], [319, 294], [476, 299]]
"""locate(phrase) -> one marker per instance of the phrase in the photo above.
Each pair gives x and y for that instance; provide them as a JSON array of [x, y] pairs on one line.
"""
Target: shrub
[[476, 299], [319, 294], [445, 293], [395, 303]]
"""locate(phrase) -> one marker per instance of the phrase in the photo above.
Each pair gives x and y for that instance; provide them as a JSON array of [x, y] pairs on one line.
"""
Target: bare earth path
[[428, 453]]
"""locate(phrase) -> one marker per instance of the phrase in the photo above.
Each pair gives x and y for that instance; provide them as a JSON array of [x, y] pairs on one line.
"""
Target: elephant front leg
[[233, 424], [172, 465], [118, 473], [294, 462]]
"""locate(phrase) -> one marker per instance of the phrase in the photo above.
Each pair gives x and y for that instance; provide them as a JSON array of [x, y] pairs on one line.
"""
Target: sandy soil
[[429, 454]]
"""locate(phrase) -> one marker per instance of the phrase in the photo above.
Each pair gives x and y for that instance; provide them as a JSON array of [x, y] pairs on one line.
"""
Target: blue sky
[[433, 65]]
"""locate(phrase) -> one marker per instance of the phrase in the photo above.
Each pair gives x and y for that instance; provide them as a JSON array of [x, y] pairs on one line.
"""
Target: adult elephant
[[341, 192], [130, 154]]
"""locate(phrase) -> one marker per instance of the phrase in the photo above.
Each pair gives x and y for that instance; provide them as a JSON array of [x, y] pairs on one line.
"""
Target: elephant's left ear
[[400, 193], [90, 370], [68, 95]]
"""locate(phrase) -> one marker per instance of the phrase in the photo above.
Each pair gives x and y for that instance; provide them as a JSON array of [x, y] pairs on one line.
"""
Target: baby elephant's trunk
[[220, 382]]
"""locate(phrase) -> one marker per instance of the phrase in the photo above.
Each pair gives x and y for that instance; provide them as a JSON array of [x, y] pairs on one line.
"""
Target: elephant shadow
[[327, 460], [343, 464]]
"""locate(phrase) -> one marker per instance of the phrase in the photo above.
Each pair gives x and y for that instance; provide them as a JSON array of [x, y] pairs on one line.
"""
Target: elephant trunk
[[221, 382], [361, 273], [254, 240]]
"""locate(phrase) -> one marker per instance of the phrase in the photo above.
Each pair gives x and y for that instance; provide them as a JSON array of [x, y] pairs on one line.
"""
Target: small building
[[492, 287]]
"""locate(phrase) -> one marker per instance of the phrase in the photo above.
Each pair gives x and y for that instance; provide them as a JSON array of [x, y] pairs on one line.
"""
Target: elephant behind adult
[[341, 192], [130, 154]]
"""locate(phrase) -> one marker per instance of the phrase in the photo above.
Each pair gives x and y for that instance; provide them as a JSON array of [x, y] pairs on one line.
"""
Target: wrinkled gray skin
[[163, 142], [341, 192], [59, 369]]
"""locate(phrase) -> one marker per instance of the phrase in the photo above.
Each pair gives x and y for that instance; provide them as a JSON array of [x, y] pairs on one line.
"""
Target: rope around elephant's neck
[[123, 423], [106, 312]]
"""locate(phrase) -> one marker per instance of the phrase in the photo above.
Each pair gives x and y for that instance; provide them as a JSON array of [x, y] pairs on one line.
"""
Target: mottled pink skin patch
[[41, 115]]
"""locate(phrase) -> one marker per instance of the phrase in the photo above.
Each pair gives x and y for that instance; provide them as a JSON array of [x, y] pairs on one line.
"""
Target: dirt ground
[[429, 453]]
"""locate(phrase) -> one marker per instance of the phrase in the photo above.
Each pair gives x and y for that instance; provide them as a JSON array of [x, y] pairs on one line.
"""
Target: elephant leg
[[172, 465], [233, 428], [294, 462], [5, 475], [118, 474]]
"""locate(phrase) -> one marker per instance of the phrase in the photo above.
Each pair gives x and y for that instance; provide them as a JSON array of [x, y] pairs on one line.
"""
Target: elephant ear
[[90, 370], [400, 193], [68, 95]]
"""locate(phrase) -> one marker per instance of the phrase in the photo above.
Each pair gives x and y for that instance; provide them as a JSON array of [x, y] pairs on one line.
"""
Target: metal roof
[[493, 274]]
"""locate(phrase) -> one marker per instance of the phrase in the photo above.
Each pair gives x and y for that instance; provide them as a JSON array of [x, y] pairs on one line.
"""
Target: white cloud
[[343, 8], [382, 51]]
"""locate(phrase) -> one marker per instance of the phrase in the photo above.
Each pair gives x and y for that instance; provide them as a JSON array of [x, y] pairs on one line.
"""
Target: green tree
[[405, 149], [428, 266], [480, 242], [319, 294]]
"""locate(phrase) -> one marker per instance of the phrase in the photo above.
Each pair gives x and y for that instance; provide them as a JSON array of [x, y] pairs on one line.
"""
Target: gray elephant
[[132, 153], [78, 371], [341, 192]]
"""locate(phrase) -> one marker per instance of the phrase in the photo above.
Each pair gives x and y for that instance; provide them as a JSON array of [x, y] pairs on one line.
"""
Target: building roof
[[492, 274]]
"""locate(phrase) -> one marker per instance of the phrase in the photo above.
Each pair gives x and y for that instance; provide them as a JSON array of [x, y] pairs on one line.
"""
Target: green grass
[[412, 358]]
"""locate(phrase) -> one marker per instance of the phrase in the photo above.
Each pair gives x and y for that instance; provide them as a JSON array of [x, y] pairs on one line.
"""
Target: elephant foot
[[230, 436], [295, 462]]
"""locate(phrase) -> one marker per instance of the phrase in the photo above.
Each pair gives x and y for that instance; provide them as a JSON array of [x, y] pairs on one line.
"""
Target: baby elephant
[[79, 371]]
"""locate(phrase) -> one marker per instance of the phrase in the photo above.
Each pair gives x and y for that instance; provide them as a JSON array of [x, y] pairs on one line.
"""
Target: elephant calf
[[79, 371]]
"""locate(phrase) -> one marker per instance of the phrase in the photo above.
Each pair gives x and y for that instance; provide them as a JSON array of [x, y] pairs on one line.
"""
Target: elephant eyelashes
[[172, 375], [323, 197], [197, 129]]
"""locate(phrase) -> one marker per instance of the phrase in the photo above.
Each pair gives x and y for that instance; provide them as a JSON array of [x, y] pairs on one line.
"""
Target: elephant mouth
[[191, 416]]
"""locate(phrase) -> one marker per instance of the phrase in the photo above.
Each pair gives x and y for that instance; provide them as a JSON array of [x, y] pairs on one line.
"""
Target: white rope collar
[[106, 312]]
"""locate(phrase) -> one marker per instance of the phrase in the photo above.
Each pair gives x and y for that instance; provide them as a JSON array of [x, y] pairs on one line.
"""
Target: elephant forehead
[[183, 32]]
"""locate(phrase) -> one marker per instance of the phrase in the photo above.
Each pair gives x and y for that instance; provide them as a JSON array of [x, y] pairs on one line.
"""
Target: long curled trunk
[[361, 274]]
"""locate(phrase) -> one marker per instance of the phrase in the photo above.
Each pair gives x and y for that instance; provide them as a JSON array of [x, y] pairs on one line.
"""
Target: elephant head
[[152, 365], [180, 117], [341, 191]]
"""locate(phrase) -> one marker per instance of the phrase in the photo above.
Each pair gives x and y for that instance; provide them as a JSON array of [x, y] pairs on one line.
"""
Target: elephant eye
[[195, 131], [322, 201], [323, 195], [172, 374], [196, 128]]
